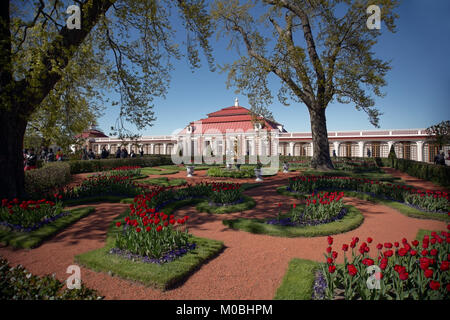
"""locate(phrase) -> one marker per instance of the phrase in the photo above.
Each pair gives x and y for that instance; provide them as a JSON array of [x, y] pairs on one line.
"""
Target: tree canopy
[[439, 133]]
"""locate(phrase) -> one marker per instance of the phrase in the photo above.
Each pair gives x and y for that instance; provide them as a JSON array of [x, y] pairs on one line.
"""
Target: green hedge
[[436, 173], [41, 182], [82, 166]]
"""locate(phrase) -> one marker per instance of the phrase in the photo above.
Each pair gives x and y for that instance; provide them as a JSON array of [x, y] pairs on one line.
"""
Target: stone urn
[[229, 165], [285, 167], [190, 171], [258, 174]]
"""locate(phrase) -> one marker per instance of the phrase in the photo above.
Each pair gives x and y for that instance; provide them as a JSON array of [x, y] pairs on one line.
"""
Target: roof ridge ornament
[[236, 102]]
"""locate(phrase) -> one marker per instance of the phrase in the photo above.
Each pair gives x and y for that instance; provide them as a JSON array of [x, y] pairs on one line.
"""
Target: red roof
[[92, 133], [230, 118]]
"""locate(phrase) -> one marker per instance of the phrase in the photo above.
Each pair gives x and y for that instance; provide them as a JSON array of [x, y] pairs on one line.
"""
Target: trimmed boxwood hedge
[[82, 166], [41, 182], [246, 204], [435, 173]]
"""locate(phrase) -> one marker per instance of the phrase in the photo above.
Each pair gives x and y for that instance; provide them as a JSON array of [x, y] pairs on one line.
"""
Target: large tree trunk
[[321, 153], [12, 130]]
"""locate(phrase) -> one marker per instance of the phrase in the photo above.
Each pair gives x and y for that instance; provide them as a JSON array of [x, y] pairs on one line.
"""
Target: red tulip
[[331, 269], [352, 270], [428, 273], [434, 285]]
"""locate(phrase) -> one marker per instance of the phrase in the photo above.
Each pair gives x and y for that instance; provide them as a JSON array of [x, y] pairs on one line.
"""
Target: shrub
[[82, 166], [18, 284], [404, 271], [40, 183]]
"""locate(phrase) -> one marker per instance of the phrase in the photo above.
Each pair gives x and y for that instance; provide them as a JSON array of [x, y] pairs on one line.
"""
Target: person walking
[[43, 154], [84, 154], [132, 154], [59, 155], [441, 158], [50, 155], [118, 153], [124, 153], [141, 152], [105, 153], [368, 153], [91, 155], [31, 160]]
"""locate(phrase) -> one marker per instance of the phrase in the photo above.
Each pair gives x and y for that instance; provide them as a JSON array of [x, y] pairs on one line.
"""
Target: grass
[[162, 277], [35, 238], [400, 207], [382, 176], [298, 282], [156, 171], [351, 220], [247, 204], [283, 191], [164, 181], [76, 202]]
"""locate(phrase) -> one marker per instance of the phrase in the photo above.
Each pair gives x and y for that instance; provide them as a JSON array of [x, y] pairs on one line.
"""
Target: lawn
[[350, 221], [33, 239], [164, 182], [162, 277]]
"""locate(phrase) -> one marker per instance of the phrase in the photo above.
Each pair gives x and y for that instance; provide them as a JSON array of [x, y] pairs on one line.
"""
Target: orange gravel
[[251, 266]]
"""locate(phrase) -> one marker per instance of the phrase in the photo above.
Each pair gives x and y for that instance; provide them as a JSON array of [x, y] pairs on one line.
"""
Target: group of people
[[120, 153], [440, 158], [30, 158]]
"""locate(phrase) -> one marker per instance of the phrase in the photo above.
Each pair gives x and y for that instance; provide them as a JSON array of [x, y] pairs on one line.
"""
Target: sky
[[417, 91]]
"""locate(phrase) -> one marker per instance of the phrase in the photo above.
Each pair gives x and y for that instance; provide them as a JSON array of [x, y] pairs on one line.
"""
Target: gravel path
[[251, 266]]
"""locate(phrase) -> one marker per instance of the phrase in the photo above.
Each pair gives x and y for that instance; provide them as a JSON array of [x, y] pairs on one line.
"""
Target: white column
[[165, 148], [291, 148], [390, 143], [253, 146], [152, 148], [129, 148], [312, 149], [419, 150], [109, 147], [361, 148], [336, 147]]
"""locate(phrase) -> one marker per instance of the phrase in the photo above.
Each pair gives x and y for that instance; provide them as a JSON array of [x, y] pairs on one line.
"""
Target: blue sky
[[417, 94]]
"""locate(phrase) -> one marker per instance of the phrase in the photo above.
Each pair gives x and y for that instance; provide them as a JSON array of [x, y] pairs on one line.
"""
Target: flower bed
[[433, 201], [405, 270], [103, 185], [151, 234], [30, 215], [320, 208], [19, 284], [225, 193], [125, 171]]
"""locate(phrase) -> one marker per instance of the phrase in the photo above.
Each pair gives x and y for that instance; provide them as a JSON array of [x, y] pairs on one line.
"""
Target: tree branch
[[38, 83]]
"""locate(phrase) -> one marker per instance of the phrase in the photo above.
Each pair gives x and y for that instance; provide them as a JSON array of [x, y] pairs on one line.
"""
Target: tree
[[439, 134], [318, 54], [129, 43]]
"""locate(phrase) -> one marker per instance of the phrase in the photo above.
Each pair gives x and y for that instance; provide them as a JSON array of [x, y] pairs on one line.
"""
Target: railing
[[360, 133]]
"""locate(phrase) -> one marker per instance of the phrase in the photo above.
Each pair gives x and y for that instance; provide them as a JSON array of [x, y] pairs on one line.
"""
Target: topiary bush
[[39, 183], [82, 166]]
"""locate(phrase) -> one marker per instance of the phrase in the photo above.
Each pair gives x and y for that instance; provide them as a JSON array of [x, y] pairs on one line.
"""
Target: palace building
[[234, 130]]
